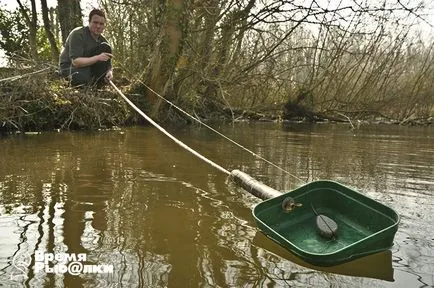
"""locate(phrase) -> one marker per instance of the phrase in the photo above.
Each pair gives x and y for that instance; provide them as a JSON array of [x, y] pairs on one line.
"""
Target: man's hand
[[109, 76], [104, 56]]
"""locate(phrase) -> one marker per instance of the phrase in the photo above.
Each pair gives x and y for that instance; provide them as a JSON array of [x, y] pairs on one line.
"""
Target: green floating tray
[[365, 226]]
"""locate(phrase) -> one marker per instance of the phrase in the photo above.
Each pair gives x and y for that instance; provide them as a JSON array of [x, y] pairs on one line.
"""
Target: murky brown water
[[135, 200]]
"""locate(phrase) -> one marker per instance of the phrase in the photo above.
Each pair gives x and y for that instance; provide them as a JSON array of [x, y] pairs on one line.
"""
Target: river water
[[133, 200]]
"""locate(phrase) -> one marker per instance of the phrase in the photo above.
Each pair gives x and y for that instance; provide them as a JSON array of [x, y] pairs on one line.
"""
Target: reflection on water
[[161, 217], [377, 265]]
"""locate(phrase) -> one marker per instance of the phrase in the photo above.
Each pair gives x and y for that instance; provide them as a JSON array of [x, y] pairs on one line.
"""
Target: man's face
[[96, 25]]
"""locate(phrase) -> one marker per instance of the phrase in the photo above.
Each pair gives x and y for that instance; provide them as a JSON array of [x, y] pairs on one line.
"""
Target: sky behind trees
[[425, 22]]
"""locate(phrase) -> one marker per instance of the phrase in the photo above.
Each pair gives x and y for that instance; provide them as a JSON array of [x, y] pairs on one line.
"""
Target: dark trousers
[[93, 74]]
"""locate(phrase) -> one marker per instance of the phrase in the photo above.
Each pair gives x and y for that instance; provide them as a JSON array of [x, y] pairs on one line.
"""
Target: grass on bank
[[45, 101]]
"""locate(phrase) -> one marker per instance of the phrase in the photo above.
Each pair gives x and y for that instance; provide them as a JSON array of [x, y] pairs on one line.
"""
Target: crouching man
[[86, 55]]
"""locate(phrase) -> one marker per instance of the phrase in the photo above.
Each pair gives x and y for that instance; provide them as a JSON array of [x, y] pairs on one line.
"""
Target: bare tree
[[168, 48], [32, 23], [330, 57], [69, 13], [50, 35]]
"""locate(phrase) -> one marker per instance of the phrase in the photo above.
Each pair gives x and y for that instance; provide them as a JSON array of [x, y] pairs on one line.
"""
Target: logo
[[58, 263]]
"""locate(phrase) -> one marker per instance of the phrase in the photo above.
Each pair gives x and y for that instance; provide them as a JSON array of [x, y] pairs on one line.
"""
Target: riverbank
[[44, 101]]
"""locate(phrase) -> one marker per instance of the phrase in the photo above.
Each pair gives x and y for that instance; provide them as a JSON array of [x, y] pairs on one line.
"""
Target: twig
[[227, 102], [16, 77], [69, 120], [349, 120]]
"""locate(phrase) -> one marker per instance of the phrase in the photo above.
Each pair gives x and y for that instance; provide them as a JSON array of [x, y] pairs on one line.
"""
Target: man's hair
[[98, 12]]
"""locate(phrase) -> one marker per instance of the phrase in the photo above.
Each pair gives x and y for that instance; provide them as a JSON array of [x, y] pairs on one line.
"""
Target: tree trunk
[[235, 20], [32, 23], [50, 35], [168, 49], [54, 24], [207, 39], [69, 13]]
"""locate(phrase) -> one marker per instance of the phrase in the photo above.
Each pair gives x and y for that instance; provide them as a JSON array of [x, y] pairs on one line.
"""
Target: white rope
[[180, 143], [222, 135]]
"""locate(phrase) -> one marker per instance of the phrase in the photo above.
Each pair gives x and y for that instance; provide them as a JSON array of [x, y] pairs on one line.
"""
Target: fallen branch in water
[[349, 120]]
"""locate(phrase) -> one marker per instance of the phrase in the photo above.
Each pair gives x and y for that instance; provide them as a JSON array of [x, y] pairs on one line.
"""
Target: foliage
[[14, 39], [44, 48]]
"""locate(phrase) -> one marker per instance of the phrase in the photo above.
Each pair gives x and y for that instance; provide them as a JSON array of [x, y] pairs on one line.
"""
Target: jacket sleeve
[[76, 45]]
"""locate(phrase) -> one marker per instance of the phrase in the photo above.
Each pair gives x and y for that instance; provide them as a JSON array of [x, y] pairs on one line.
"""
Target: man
[[86, 55]]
